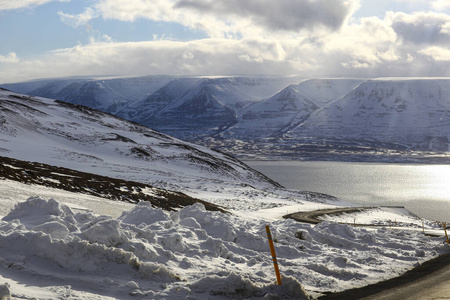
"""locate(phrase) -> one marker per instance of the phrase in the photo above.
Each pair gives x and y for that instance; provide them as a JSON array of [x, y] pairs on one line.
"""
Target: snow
[[147, 253], [90, 141], [394, 217], [408, 114], [364, 119], [107, 93], [61, 245]]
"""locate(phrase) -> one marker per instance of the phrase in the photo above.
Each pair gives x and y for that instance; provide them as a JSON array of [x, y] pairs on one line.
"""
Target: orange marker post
[[445, 230], [274, 256]]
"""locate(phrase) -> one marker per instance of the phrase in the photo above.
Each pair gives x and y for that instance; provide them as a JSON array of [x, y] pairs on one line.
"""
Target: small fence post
[[274, 256], [445, 230]]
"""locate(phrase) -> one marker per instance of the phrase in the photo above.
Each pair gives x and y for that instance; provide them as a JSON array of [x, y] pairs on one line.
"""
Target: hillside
[[411, 115], [391, 119], [107, 94], [79, 138], [95, 185], [272, 117]]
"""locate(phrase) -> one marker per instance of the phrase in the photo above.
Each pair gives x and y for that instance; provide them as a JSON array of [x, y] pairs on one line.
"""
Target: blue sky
[[311, 38]]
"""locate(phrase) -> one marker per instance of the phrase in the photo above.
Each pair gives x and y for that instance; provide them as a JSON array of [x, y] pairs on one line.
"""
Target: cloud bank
[[288, 15], [311, 38], [16, 4]]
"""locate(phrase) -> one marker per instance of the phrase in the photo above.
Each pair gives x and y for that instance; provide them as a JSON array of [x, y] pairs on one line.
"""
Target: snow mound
[[4, 292], [144, 213], [148, 253]]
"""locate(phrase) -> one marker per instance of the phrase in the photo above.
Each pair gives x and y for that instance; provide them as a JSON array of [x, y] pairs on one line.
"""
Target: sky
[[309, 38]]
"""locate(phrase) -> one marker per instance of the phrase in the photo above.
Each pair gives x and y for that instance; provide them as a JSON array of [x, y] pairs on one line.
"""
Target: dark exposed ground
[[95, 185]]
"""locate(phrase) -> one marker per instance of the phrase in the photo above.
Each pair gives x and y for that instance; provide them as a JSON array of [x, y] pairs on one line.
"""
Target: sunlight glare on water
[[423, 189]]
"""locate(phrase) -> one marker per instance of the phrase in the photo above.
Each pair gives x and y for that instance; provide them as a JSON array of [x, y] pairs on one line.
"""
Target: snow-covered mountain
[[144, 110], [380, 119], [395, 114], [288, 108], [272, 117], [323, 91], [105, 94], [190, 108], [80, 138], [182, 107], [279, 116]]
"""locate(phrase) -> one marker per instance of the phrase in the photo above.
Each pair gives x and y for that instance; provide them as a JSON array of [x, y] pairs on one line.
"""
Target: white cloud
[[440, 4], [80, 19], [437, 53], [130, 10], [286, 15], [202, 57], [422, 27], [15, 4], [243, 40], [231, 18], [9, 58]]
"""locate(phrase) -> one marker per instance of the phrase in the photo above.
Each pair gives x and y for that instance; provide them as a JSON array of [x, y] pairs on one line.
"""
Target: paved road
[[312, 217]]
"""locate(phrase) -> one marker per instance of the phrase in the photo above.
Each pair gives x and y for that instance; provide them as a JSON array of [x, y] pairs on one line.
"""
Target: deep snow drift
[[50, 251]]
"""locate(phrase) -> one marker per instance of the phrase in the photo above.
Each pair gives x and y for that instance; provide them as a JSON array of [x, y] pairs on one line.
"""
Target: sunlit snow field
[[99, 249]]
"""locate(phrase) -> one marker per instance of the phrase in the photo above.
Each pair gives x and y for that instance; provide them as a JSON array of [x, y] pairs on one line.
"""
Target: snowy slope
[[366, 120], [143, 111], [191, 108], [106, 94], [397, 114], [323, 91], [79, 138], [181, 107], [272, 117]]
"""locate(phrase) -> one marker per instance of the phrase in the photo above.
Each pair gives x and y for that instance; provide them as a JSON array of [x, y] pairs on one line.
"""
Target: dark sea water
[[422, 189]]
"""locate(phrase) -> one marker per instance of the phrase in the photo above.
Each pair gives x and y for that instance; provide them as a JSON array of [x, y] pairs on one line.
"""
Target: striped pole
[[274, 256]]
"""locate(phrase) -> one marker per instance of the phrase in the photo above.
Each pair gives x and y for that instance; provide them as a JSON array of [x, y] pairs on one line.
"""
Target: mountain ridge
[[246, 116]]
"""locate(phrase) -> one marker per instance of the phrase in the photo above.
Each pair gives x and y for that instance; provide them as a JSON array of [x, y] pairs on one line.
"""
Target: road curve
[[312, 217], [429, 281]]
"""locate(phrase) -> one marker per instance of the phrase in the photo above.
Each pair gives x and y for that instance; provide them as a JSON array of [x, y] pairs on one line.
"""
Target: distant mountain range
[[340, 119]]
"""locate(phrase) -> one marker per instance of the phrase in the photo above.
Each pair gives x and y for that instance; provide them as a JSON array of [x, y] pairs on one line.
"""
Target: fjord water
[[422, 189]]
